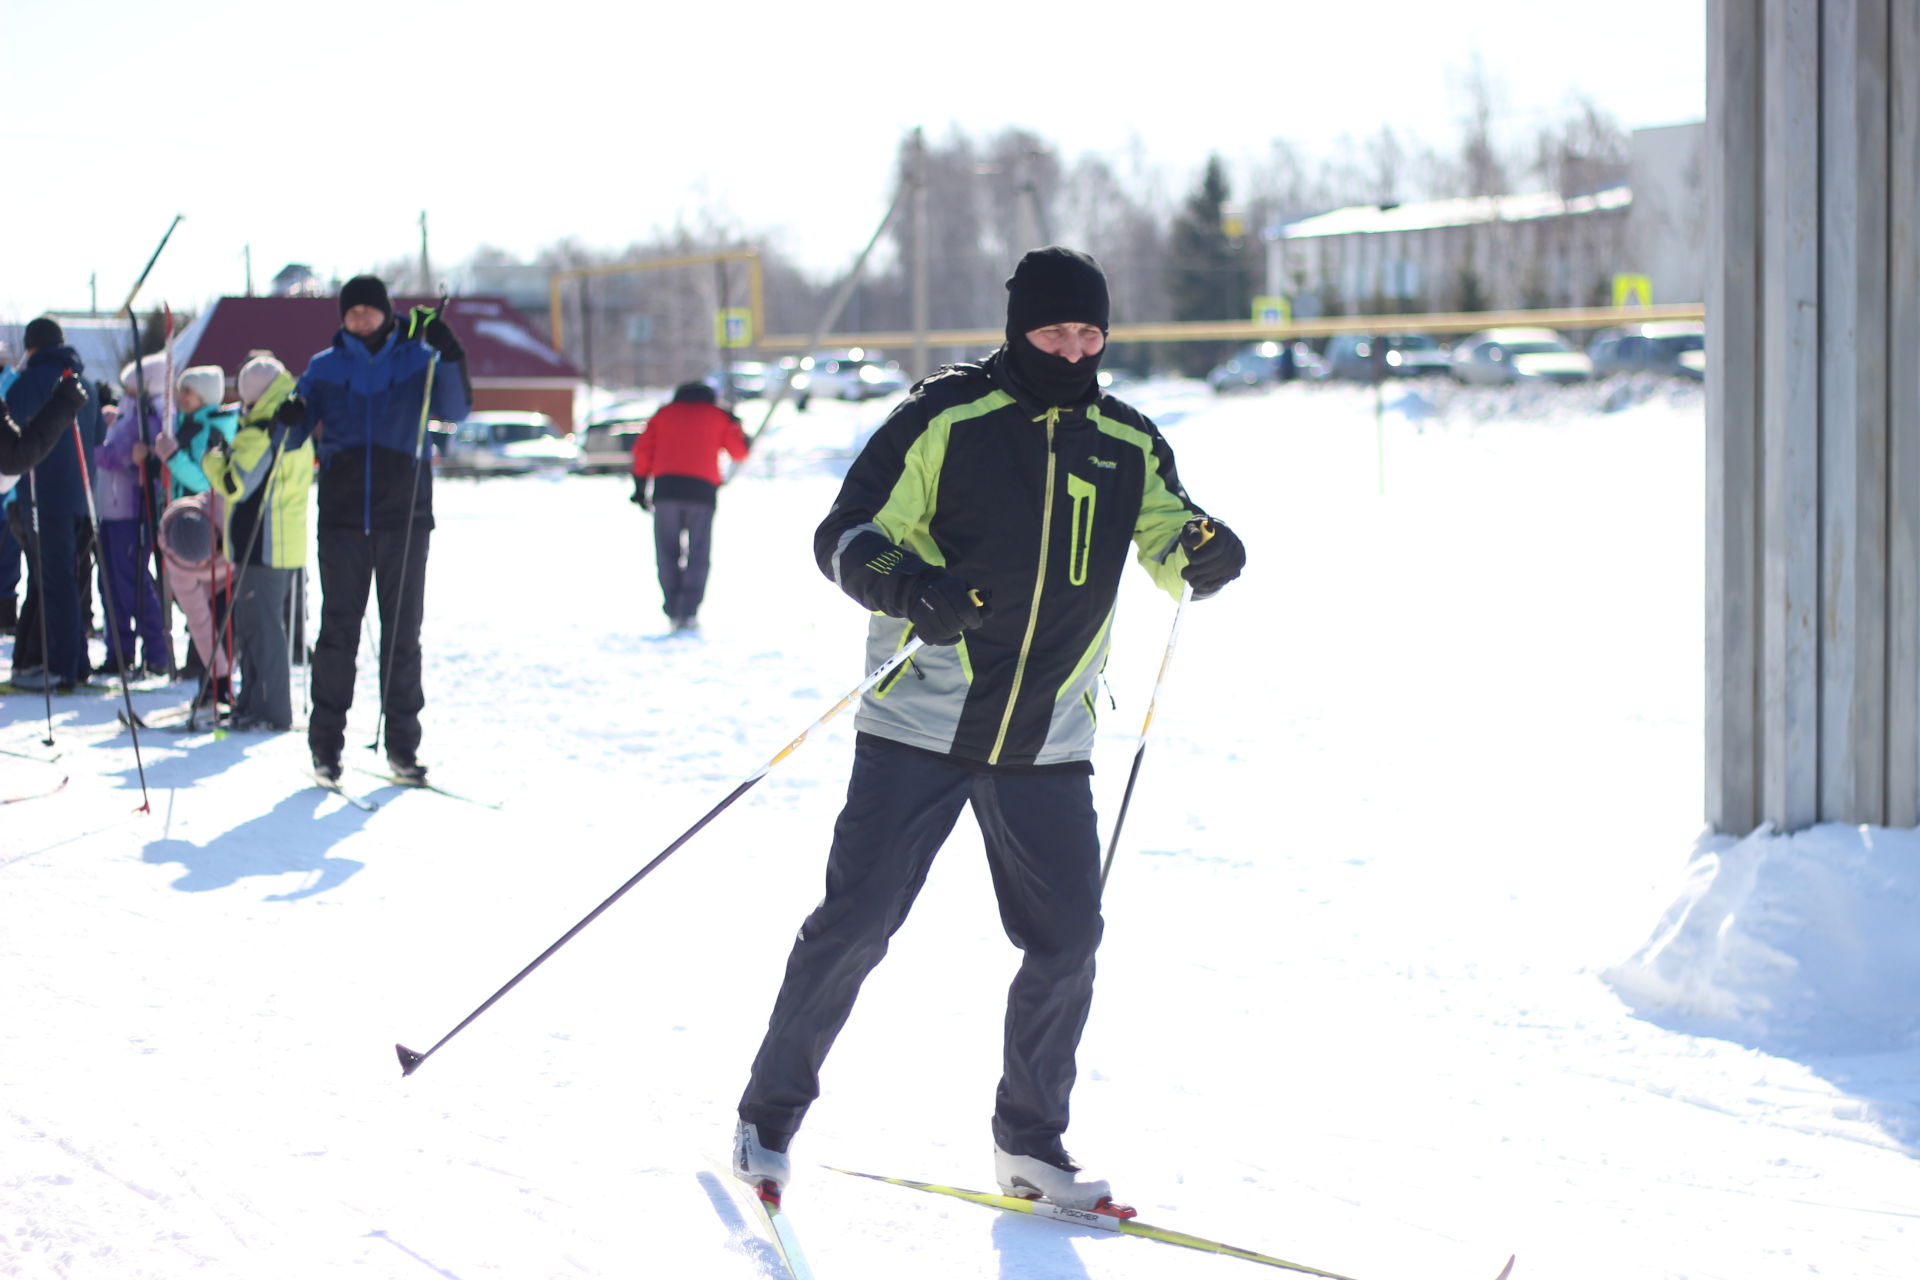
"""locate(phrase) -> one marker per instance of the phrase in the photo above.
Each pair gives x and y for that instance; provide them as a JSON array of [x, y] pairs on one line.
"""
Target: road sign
[[1631, 290], [1272, 311], [733, 327]]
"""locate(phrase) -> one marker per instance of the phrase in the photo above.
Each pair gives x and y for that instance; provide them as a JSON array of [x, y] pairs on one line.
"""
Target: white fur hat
[[152, 372], [256, 375], [208, 381]]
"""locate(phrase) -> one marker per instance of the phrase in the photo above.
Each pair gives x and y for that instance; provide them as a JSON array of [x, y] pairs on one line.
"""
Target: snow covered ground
[[1416, 956]]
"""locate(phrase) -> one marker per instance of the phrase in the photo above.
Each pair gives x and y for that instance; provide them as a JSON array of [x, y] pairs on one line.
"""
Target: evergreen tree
[[1208, 276]]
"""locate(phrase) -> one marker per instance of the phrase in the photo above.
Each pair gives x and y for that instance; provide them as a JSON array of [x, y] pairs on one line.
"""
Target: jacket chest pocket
[[1081, 495]]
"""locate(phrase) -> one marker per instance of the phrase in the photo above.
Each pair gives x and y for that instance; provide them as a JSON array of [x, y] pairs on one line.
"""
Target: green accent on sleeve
[[1163, 513], [907, 516]]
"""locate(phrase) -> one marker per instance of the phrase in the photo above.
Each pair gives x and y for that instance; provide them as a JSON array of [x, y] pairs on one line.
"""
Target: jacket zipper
[[1051, 417]]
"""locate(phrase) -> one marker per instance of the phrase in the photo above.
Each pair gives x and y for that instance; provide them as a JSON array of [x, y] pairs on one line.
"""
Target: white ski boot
[[755, 1163], [1030, 1177]]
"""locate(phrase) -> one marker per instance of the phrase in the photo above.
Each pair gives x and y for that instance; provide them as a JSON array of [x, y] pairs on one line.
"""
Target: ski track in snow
[[1415, 955]]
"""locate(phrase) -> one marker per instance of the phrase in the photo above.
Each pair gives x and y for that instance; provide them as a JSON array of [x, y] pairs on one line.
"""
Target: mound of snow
[[1791, 943]]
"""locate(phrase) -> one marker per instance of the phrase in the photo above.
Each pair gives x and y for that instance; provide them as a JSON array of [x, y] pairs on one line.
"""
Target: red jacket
[[685, 438]]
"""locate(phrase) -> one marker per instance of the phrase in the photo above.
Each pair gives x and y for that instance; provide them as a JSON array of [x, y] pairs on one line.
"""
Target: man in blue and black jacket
[[990, 516], [56, 493], [368, 398]]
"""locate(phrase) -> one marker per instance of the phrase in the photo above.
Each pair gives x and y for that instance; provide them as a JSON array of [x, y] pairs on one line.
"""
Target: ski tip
[[1506, 1270], [408, 1059]]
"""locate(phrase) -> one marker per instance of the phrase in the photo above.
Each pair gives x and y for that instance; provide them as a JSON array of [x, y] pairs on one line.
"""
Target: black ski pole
[[113, 620], [237, 577], [127, 306], [410, 1061], [389, 643], [40, 601], [1166, 660], [149, 474]]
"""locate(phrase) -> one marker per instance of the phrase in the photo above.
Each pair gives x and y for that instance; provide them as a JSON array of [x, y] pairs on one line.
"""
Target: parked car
[[745, 380], [507, 442], [1497, 356], [1261, 364], [1357, 357], [853, 374], [1650, 348], [607, 444]]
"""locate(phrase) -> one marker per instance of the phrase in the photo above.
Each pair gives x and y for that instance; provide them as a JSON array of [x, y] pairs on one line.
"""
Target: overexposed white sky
[[319, 134]]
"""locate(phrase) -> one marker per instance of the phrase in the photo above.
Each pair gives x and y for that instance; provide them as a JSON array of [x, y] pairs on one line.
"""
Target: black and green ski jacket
[[1038, 509]]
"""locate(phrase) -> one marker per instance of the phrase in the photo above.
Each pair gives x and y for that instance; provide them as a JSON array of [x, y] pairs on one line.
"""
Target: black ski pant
[[1043, 853], [353, 563], [682, 544]]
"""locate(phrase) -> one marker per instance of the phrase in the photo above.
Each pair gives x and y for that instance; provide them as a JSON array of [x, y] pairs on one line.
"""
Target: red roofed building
[[510, 365]]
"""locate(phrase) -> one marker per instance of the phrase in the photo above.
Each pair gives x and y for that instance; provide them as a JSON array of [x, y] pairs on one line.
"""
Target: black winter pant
[[352, 563], [1043, 853], [682, 545]]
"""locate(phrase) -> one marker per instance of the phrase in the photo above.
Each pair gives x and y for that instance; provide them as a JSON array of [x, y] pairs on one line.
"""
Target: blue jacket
[[195, 432], [58, 485], [365, 409]]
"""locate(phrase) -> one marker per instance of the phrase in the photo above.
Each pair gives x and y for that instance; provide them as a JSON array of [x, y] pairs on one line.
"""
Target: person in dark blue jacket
[[56, 490], [368, 398]]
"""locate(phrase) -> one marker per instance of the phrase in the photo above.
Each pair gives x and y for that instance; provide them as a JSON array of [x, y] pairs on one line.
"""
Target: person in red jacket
[[680, 453]]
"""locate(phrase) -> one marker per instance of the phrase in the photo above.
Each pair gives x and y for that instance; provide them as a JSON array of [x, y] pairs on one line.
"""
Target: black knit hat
[[1055, 285], [43, 333], [364, 291]]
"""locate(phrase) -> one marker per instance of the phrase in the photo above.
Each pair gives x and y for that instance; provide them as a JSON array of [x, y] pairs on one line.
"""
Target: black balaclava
[[1054, 285], [368, 291]]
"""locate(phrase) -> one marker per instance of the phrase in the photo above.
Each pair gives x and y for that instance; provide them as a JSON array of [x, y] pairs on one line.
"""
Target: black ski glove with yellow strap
[[943, 606], [1215, 555]]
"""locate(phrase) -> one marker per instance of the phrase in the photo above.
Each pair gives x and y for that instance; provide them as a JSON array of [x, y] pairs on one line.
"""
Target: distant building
[[297, 280], [510, 365], [1541, 249]]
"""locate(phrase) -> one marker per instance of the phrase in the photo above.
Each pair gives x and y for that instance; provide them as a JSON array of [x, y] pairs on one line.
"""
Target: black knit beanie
[[1055, 285], [364, 291], [43, 333]]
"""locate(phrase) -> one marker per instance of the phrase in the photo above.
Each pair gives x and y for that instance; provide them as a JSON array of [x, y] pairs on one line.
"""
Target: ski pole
[[392, 644], [40, 572], [410, 1061], [236, 578], [1166, 660], [113, 623], [151, 474], [127, 306]]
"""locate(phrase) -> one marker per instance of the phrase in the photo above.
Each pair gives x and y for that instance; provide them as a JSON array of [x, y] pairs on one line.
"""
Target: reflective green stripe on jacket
[[1039, 509]]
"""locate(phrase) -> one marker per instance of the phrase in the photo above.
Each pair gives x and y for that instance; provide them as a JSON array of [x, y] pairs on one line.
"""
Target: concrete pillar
[[1853, 408], [1903, 415], [1733, 414], [1813, 537]]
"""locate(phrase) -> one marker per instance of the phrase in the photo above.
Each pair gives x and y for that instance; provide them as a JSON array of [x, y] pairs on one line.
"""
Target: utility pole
[[922, 250], [426, 266]]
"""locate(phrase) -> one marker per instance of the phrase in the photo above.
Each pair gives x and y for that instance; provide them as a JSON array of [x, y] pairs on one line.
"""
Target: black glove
[[639, 498], [943, 606], [292, 412], [438, 334], [70, 393], [1215, 555]]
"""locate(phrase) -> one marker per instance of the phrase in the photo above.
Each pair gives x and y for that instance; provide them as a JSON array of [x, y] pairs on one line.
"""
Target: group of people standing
[[221, 492]]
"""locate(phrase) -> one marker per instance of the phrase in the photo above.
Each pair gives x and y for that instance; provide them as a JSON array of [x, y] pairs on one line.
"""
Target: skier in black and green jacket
[[991, 516]]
